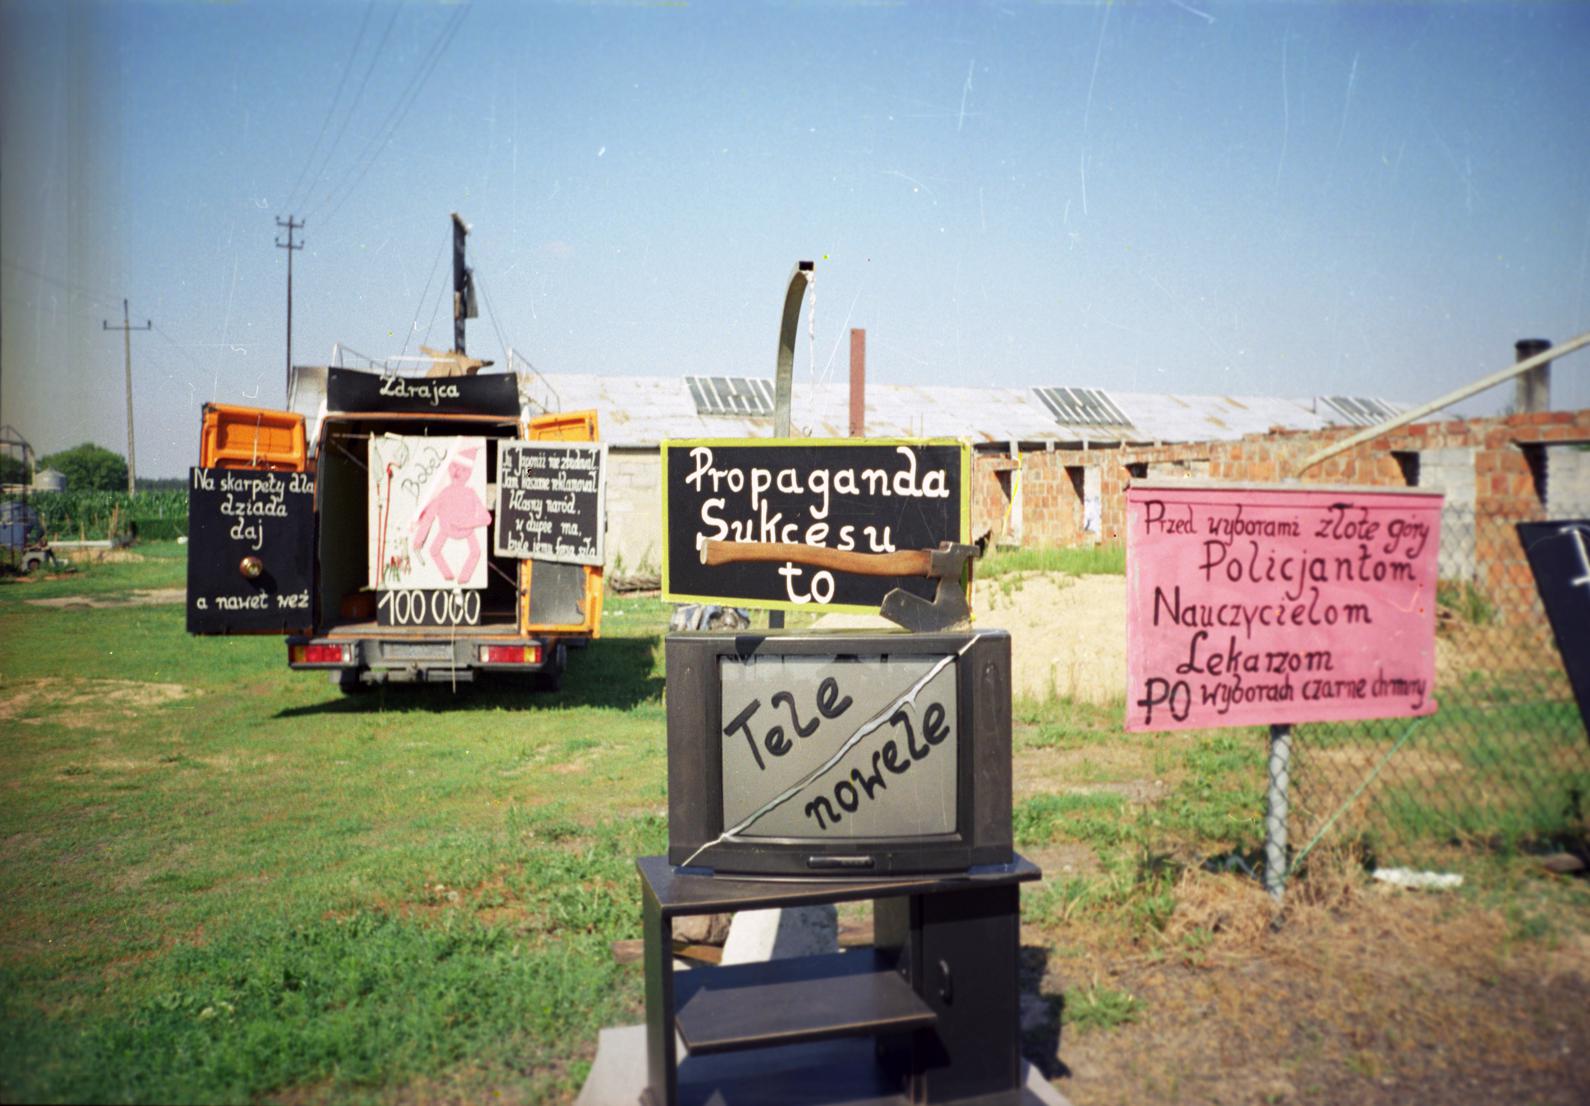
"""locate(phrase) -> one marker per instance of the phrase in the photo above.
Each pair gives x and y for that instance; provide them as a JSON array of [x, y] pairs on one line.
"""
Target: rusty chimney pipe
[[1532, 389], [858, 383]]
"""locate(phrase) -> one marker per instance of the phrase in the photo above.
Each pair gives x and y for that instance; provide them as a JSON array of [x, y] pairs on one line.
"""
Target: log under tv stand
[[928, 1015]]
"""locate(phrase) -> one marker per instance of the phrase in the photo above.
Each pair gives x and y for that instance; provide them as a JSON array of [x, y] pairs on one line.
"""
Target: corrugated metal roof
[[1086, 409], [1358, 410], [730, 395], [644, 410], [641, 411]]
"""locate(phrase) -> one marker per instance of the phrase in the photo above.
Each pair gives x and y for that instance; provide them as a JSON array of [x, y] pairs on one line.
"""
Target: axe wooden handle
[[904, 562]]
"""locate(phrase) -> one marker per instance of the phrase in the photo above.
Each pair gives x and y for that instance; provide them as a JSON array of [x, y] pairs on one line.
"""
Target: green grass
[[1096, 818], [1064, 724], [226, 882], [361, 1000], [1096, 1007], [224, 878], [1082, 560], [1465, 601]]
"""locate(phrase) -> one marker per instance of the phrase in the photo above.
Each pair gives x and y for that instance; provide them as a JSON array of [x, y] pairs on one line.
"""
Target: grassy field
[[1076, 560], [225, 882]]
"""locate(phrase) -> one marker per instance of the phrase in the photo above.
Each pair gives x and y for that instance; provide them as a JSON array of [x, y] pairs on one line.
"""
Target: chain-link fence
[[1505, 759]]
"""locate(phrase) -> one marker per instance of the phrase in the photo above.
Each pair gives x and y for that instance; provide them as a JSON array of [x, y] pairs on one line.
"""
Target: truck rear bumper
[[416, 661]]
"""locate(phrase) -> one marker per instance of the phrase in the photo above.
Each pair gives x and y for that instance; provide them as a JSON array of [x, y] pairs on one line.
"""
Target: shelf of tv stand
[[684, 891], [851, 1027], [781, 1002]]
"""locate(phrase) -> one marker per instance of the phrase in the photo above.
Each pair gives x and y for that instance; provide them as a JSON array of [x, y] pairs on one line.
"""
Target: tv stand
[[927, 1015]]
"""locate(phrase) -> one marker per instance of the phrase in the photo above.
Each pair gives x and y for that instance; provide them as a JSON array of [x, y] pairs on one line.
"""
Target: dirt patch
[[135, 876], [81, 704], [1063, 860], [1067, 633], [1362, 994], [1464, 647], [89, 555], [151, 597]]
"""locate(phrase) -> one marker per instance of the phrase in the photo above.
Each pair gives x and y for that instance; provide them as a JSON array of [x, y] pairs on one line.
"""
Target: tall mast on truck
[[463, 285]]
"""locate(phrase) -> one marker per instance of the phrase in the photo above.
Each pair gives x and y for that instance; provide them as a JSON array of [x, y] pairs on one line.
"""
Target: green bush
[[89, 467]]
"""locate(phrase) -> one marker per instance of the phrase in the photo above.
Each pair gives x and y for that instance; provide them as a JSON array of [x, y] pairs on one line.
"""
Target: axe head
[[948, 609]]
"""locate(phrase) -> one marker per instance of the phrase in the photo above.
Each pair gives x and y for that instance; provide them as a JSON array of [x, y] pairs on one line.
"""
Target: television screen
[[839, 753], [839, 747]]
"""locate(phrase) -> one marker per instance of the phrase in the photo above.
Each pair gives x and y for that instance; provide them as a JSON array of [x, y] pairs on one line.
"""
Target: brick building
[[1493, 471], [1052, 464]]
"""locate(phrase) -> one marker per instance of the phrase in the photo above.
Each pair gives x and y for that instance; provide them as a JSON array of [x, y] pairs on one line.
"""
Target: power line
[[183, 350], [383, 135], [332, 110], [441, 291], [354, 105], [104, 299], [32, 305], [415, 325], [400, 109], [492, 315]]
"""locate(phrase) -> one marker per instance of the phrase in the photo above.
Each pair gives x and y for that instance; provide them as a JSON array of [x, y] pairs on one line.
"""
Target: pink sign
[[1276, 605]]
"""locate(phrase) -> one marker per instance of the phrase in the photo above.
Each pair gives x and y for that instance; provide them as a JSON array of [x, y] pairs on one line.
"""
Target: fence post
[[1275, 811]]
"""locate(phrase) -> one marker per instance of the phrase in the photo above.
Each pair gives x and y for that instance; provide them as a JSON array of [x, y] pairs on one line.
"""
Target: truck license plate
[[416, 651]]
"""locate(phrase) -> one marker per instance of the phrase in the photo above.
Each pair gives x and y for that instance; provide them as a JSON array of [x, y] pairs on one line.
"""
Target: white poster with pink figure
[[428, 515]]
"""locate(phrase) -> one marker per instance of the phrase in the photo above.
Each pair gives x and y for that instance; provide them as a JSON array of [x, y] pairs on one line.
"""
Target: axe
[[948, 609]]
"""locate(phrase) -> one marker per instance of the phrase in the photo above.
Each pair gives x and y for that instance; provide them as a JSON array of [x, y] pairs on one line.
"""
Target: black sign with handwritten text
[[1559, 556], [491, 394], [870, 497], [250, 551], [550, 501]]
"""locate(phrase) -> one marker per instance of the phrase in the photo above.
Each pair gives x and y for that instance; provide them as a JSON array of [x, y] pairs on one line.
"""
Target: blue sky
[[1238, 198]]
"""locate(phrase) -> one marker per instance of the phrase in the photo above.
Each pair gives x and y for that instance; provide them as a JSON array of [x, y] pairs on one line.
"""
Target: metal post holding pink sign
[[1275, 605]]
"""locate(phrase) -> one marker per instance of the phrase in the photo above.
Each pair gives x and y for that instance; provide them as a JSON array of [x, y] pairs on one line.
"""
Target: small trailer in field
[[430, 529]]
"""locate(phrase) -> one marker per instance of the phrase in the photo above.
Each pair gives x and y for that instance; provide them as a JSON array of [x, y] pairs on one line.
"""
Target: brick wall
[[1504, 490], [634, 509], [990, 494]]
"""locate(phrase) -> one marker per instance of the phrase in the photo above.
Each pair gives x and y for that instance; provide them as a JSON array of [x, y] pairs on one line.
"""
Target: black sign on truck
[[483, 394], [1559, 556], [551, 501], [873, 496], [250, 548]]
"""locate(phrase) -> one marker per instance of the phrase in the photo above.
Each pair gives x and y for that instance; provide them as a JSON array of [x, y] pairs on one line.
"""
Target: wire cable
[[332, 109], [440, 292], [399, 112], [104, 299], [178, 346], [354, 106], [415, 325], [492, 315]]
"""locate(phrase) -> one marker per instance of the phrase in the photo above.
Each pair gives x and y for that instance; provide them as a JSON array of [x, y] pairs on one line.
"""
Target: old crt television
[[839, 754]]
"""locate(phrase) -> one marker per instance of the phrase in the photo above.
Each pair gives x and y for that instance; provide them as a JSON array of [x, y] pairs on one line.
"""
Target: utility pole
[[126, 329], [290, 248]]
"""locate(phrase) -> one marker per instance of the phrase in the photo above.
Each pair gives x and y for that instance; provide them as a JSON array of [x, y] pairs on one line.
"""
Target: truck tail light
[[319, 654], [510, 654]]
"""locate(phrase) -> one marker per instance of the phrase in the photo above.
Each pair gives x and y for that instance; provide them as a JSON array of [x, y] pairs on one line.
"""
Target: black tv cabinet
[[927, 1015]]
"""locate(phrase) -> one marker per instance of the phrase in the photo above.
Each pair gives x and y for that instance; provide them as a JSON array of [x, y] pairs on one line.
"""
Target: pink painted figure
[[458, 513]]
